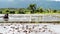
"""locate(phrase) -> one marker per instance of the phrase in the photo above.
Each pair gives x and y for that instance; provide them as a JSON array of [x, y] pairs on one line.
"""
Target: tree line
[[31, 9]]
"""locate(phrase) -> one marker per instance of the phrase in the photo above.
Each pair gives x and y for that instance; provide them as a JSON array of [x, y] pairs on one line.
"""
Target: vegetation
[[31, 9]]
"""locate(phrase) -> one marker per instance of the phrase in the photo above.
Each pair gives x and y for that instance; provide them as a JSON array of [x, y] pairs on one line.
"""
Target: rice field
[[29, 28], [32, 17]]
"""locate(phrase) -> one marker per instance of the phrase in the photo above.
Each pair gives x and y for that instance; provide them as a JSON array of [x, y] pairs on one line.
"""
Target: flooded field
[[29, 28], [32, 17]]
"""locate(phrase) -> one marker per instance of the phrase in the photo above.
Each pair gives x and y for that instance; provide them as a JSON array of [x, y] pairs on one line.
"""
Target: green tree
[[21, 11], [6, 11], [0, 12], [32, 7], [48, 10], [40, 10], [12, 12], [54, 11]]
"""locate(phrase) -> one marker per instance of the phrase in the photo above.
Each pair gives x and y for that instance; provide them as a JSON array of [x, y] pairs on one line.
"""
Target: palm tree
[[32, 7]]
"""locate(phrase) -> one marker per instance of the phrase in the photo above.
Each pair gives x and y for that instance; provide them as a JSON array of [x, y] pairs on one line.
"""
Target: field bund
[[32, 18]]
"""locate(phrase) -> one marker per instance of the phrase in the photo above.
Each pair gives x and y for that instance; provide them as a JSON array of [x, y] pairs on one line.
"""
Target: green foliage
[[41, 10], [0, 12], [6, 11], [54, 11], [21, 11], [12, 12], [31, 9]]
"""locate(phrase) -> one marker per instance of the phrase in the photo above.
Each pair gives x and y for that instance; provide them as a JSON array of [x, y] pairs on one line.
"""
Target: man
[[6, 17]]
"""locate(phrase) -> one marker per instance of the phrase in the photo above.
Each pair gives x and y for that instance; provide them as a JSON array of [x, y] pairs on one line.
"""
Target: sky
[[25, 3], [54, 0]]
